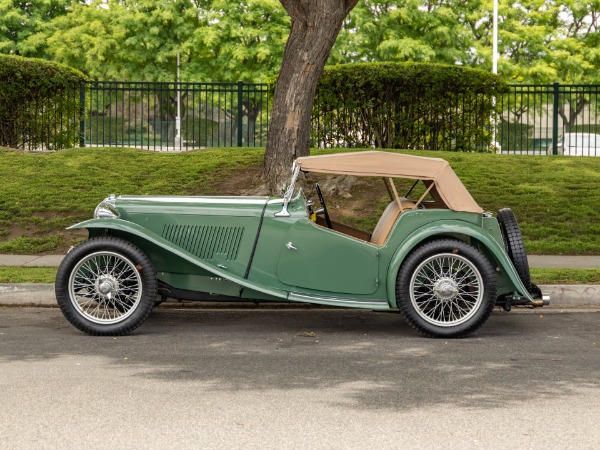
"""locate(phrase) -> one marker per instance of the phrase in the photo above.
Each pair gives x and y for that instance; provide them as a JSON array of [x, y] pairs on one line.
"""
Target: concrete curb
[[27, 295], [561, 296]]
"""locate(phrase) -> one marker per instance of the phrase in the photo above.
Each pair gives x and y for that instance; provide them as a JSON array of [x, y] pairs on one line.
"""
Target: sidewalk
[[31, 260], [561, 296]]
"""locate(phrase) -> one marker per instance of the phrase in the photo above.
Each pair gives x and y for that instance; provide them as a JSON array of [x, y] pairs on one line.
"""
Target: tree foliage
[[244, 41], [540, 41], [139, 40], [20, 19]]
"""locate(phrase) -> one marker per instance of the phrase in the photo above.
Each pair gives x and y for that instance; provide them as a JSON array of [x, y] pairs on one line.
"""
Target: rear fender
[[124, 228], [450, 229]]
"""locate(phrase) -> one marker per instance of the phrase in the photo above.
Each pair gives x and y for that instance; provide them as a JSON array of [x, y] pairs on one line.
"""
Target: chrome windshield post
[[289, 192]]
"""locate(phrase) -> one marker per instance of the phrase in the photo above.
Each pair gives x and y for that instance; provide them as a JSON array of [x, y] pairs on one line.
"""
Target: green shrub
[[585, 128], [405, 105], [39, 104]]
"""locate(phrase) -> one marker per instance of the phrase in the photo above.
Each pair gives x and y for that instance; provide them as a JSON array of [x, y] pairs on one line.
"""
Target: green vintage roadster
[[434, 256]]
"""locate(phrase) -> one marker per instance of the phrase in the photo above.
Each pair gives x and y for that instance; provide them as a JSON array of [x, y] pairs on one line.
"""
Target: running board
[[338, 301]]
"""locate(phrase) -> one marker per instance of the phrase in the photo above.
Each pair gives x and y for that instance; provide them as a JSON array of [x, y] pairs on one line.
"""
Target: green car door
[[315, 258]]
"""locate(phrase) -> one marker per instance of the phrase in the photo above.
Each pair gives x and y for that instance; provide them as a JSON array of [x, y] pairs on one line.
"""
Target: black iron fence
[[550, 119], [457, 121], [530, 119], [40, 121], [174, 116]]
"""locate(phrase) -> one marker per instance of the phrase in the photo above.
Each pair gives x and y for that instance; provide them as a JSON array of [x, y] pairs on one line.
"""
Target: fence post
[[82, 114], [239, 114], [555, 119]]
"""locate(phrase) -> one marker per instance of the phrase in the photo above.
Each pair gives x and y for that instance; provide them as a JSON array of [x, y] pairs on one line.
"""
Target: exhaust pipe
[[544, 301]]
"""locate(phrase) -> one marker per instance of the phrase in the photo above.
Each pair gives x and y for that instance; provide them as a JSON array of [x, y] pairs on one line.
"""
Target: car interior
[[427, 199]]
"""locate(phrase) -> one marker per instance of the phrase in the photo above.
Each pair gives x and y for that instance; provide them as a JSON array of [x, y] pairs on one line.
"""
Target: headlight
[[106, 209]]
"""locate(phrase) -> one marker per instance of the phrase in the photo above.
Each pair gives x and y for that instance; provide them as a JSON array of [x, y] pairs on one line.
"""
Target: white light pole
[[495, 71], [178, 118], [495, 39]]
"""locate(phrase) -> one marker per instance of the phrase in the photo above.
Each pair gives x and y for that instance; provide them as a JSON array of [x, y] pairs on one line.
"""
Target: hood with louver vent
[[206, 241]]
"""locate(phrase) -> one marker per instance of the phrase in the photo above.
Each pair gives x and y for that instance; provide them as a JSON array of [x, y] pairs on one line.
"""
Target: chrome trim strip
[[198, 200], [338, 299]]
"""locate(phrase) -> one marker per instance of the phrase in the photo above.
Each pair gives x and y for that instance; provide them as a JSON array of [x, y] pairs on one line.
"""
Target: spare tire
[[514, 244]]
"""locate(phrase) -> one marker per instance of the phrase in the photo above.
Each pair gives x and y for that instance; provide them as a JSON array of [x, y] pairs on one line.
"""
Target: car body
[[578, 144], [443, 263]]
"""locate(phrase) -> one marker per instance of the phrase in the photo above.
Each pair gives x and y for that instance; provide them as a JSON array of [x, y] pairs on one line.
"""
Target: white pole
[[495, 71], [178, 119], [495, 39]]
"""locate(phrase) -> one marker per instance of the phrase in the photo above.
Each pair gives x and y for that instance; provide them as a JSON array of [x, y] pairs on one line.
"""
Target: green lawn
[[556, 199]]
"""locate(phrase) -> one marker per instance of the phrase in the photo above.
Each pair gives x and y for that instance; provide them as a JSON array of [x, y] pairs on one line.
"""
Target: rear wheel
[[514, 243], [106, 286], [446, 288]]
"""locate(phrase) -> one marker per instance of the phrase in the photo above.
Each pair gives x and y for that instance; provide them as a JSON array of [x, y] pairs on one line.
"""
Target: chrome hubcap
[[445, 289], [106, 285]]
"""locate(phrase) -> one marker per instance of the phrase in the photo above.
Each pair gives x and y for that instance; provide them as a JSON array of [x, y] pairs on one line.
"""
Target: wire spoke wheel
[[446, 290], [105, 287]]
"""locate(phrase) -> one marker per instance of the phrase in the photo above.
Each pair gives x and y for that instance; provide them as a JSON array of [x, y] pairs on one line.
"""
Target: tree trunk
[[252, 108], [315, 26]]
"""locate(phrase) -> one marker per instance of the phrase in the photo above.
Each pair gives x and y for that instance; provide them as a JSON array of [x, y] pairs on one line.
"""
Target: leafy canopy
[[540, 41]]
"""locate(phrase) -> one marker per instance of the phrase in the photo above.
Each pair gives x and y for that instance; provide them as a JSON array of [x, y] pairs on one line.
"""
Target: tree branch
[[295, 9]]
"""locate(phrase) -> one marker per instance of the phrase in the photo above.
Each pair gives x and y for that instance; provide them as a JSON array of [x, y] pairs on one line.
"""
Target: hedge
[[405, 105], [39, 104]]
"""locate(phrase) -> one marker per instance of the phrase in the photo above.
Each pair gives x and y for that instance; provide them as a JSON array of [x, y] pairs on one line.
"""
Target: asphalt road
[[299, 379]]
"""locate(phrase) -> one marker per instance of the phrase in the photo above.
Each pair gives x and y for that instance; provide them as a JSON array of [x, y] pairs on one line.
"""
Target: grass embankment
[[10, 274], [42, 194], [556, 199]]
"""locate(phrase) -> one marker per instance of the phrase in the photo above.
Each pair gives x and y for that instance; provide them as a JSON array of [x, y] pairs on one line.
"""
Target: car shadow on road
[[373, 360]]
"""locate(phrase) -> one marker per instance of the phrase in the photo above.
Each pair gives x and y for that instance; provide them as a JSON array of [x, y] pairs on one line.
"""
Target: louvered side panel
[[206, 241]]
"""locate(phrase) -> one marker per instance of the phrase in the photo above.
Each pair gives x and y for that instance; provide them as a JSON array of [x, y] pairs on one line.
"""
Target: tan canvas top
[[383, 164]]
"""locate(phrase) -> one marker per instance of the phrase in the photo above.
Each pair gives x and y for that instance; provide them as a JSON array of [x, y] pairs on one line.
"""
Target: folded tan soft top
[[395, 165]]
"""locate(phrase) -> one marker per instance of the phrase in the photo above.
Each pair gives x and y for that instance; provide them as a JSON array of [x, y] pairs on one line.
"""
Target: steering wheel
[[324, 208]]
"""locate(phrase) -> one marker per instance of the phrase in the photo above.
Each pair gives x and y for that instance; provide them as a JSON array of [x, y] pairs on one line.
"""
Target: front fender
[[449, 229], [126, 227]]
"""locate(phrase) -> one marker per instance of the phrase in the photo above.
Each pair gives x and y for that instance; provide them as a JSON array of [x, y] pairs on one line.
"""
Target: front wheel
[[106, 286], [446, 288]]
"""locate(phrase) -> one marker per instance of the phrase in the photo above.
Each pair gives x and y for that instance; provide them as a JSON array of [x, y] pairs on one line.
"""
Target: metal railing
[[174, 116], [530, 119], [460, 121], [40, 121], [550, 119]]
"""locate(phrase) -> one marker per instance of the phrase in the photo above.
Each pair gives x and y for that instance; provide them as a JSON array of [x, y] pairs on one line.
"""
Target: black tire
[[446, 289], [514, 244], [106, 286]]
